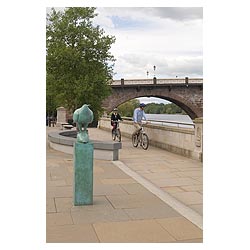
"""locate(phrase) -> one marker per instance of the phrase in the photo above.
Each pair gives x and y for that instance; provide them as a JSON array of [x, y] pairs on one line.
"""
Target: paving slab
[[112, 181], [151, 212], [133, 188], [108, 189], [198, 208], [66, 205], [102, 215], [139, 231], [83, 233], [168, 182], [135, 200], [189, 198], [172, 189], [188, 229], [50, 205], [192, 188], [57, 183], [160, 175], [60, 191], [58, 219]]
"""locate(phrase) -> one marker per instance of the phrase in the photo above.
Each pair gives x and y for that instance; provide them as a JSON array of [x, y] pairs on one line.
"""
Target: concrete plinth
[[61, 116], [83, 173]]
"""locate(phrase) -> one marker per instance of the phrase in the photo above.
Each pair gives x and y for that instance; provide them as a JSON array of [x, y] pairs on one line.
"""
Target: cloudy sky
[[169, 38]]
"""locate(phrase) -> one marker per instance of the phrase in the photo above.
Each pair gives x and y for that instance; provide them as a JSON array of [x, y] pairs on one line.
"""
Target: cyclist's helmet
[[142, 105], [115, 109]]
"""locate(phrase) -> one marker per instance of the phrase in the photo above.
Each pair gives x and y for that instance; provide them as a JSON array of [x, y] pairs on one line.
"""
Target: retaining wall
[[183, 141]]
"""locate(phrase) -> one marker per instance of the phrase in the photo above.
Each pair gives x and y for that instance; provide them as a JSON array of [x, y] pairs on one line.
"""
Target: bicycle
[[140, 137], [116, 133]]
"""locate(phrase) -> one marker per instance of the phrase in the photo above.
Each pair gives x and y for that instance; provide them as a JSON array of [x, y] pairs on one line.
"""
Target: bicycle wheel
[[113, 135], [145, 141], [135, 140], [119, 136]]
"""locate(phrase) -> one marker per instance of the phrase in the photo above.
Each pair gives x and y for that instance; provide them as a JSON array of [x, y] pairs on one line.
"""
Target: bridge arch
[[189, 98]]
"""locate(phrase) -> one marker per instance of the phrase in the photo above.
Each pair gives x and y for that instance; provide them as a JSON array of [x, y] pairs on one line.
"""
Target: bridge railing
[[158, 81]]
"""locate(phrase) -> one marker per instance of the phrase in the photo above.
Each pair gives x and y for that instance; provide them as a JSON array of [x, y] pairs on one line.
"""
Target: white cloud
[[169, 38], [178, 14]]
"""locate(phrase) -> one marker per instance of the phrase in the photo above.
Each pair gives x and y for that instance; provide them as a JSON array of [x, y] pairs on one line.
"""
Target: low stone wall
[[64, 142], [178, 140]]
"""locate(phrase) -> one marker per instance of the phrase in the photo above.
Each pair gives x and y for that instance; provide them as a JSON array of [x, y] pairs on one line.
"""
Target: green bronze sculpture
[[83, 158], [83, 116]]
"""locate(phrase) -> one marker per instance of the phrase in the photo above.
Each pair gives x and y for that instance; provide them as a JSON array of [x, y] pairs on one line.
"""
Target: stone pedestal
[[198, 135], [61, 116], [83, 173]]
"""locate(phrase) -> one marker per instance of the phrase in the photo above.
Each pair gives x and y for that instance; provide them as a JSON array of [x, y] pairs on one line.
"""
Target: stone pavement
[[146, 196]]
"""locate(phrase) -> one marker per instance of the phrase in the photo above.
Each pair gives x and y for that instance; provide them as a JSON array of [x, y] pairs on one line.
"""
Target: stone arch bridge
[[187, 93]]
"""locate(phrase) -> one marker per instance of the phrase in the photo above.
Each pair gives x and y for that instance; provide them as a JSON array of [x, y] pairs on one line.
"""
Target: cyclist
[[115, 116], [139, 114]]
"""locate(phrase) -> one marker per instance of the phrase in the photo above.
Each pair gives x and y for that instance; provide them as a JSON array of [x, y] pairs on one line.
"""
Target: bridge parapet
[[158, 81]]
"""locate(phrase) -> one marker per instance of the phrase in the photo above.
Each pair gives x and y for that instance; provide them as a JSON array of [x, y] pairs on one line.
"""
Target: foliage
[[126, 109], [78, 62], [160, 108]]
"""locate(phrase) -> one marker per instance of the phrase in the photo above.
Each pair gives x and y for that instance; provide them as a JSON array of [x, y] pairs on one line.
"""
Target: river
[[173, 119]]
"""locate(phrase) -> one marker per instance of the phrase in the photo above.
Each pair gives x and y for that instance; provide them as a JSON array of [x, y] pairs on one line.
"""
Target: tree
[[160, 108], [127, 108], [172, 108], [79, 66]]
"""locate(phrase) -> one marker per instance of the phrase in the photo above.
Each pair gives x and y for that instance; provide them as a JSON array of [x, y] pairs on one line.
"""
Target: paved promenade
[[146, 196]]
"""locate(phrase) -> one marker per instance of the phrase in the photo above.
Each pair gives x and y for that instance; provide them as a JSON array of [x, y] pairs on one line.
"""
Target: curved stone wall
[[64, 142]]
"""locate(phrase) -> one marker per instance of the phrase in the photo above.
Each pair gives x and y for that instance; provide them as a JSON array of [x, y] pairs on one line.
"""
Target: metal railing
[[171, 123], [165, 123]]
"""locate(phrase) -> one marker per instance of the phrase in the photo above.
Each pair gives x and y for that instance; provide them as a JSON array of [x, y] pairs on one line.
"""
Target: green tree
[[79, 66], [172, 108], [127, 109], [160, 108], [155, 108]]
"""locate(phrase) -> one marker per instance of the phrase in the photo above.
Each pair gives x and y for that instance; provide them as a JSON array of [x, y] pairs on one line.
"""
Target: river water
[[177, 119]]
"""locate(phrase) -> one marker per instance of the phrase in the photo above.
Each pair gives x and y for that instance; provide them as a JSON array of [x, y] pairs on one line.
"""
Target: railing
[[158, 81], [171, 123], [165, 123]]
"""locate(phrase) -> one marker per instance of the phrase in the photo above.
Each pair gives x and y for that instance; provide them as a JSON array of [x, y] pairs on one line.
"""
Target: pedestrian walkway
[[140, 198]]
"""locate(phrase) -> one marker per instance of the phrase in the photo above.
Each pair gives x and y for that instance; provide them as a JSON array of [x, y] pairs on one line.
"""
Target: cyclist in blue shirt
[[139, 114]]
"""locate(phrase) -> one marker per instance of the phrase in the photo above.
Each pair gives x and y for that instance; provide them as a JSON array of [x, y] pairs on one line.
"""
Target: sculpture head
[[83, 116]]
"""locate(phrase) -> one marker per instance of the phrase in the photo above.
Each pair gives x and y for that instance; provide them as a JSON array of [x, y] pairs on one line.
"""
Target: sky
[[169, 38]]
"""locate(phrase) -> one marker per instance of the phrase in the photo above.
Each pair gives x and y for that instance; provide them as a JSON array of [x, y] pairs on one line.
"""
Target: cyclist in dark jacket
[[115, 116]]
